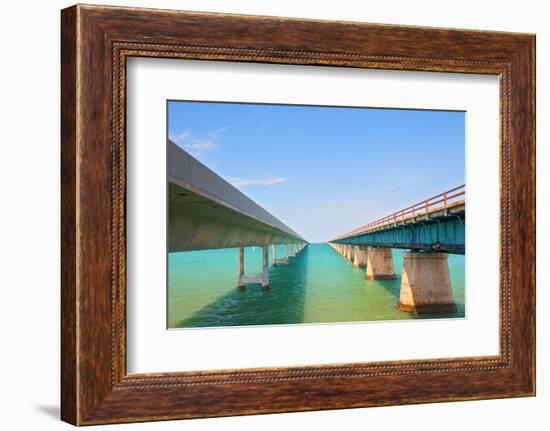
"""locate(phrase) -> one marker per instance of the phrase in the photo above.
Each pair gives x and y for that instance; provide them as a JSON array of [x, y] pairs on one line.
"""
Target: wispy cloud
[[268, 181], [202, 145], [398, 185], [385, 187], [198, 144]]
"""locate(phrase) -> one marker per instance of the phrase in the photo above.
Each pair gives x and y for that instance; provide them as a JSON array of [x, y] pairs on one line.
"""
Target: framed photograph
[[263, 214]]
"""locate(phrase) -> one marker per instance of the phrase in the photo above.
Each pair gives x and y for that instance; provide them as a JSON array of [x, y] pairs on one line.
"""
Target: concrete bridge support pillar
[[282, 260], [426, 284], [349, 252], [292, 250], [260, 278], [359, 257], [379, 264], [265, 267], [241, 283]]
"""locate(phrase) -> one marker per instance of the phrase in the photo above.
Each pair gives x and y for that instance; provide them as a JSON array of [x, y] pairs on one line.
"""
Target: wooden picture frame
[[95, 42]]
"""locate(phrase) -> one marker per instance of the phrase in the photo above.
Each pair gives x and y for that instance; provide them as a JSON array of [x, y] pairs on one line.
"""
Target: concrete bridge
[[430, 230], [206, 212]]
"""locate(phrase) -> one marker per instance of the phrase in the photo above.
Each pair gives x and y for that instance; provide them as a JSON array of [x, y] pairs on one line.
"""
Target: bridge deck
[[206, 212]]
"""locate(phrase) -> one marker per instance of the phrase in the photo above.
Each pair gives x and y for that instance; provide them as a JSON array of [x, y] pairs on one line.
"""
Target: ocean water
[[319, 286]]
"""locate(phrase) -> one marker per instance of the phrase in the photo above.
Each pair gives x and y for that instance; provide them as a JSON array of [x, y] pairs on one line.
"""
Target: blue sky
[[325, 170]]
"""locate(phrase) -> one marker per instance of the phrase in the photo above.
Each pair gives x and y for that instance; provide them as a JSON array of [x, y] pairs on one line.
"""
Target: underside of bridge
[[440, 230], [199, 223], [206, 212]]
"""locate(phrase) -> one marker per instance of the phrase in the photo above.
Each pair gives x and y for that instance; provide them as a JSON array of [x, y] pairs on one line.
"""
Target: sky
[[324, 171]]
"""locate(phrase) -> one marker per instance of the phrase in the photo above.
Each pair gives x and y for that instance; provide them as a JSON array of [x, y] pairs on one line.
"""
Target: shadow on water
[[282, 303]]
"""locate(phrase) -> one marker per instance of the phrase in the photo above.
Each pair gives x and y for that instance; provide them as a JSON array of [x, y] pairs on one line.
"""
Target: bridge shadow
[[283, 303], [392, 286]]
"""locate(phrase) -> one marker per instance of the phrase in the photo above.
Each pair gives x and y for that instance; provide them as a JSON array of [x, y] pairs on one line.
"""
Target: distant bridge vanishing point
[[430, 230]]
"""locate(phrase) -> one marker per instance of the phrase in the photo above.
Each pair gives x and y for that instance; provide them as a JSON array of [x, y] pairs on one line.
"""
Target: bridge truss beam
[[441, 234]]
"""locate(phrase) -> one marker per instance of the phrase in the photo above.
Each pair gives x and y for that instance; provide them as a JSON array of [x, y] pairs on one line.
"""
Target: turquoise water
[[319, 286]]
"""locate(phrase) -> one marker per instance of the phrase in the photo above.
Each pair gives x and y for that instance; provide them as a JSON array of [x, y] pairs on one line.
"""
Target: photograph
[[260, 210], [281, 214]]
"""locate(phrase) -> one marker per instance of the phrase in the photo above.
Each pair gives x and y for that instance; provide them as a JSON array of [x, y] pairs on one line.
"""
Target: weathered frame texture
[[95, 43]]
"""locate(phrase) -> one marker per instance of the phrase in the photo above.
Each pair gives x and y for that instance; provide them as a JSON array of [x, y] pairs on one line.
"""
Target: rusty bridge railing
[[441, 201]]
